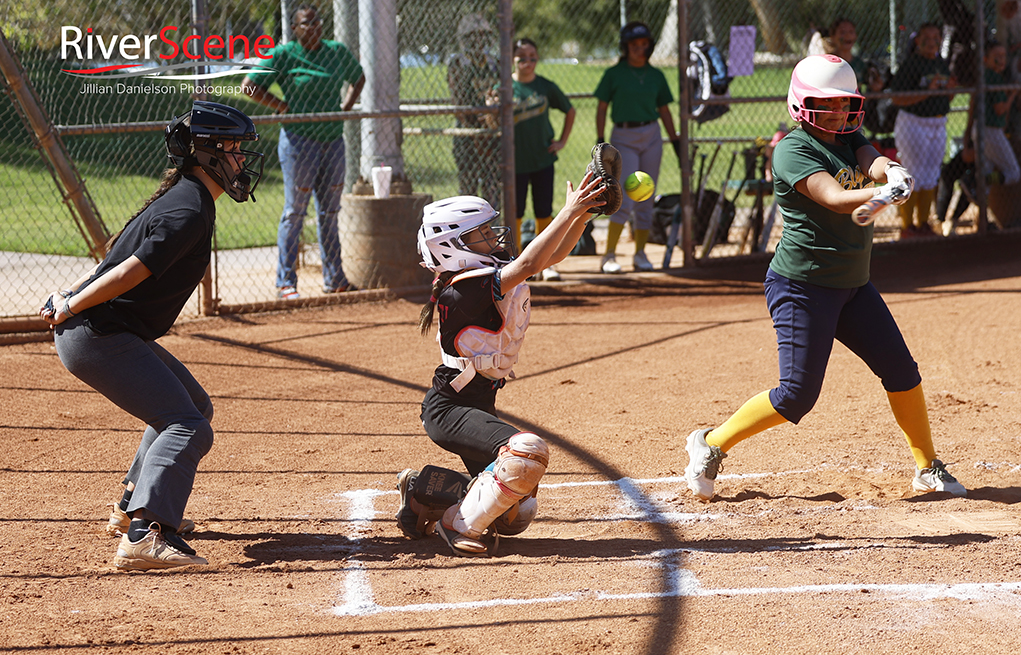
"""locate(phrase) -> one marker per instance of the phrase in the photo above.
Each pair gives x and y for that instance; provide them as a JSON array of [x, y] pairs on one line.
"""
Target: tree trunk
[[771, 25]]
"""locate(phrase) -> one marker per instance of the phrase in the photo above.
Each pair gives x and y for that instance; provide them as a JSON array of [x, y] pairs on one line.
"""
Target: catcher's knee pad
[[516, 474]]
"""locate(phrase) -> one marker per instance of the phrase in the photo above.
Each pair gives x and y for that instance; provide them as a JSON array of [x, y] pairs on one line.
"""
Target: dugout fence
[[438, 140]]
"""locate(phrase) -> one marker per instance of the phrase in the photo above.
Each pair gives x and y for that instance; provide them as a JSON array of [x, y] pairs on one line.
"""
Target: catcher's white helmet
[[824, 76], [444, 223]]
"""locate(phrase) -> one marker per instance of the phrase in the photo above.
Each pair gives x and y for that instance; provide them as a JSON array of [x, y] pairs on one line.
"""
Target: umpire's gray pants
[[149, 383], [641, 149]]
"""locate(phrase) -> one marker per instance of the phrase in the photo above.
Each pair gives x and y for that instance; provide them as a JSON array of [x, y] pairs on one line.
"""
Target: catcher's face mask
[[487, 239]]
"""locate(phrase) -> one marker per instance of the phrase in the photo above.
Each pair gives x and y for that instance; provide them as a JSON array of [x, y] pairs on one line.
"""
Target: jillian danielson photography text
[[120, 88]]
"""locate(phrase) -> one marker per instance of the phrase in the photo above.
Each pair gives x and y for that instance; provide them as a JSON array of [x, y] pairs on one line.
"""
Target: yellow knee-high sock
[[923, 205], [907, 210], [913, 418], [613, 236], [641, 238], [542, 223], [756, 415]]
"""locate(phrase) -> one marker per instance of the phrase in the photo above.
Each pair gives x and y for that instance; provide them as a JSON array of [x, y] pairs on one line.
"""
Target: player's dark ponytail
[[171, 176], [425, 319]]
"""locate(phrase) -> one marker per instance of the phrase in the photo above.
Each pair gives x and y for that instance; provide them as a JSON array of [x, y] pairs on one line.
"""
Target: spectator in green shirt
[[535, 149], [841, 41], [921, 126], [997, 149], [311, 72], [639, 95]]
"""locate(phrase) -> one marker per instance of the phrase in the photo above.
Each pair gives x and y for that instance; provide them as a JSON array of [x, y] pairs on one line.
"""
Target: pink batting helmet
[[824, 76]]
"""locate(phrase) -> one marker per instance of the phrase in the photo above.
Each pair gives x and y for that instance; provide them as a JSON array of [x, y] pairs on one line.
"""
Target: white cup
[[381, 181]]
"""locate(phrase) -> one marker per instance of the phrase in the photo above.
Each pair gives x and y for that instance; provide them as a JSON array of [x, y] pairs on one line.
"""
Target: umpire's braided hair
[[425, 319]]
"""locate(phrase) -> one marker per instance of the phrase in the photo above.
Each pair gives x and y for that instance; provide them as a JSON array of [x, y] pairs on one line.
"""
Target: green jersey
[[312, 82], [861, 70], [533, 132], [820, 246], [634, 94], [915, 74], [994, 97]]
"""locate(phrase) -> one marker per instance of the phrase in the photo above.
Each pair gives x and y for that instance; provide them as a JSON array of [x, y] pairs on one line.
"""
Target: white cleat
[[704, 464], [937, 478]]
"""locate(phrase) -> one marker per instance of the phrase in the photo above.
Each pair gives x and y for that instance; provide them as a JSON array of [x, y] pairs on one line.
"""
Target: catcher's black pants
[[474, 434]]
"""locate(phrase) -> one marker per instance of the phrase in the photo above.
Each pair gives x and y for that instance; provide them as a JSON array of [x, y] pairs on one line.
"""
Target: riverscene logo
[[218, 51]]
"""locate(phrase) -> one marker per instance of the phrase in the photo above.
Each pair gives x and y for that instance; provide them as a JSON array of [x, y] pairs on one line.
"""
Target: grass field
[[121, 170]]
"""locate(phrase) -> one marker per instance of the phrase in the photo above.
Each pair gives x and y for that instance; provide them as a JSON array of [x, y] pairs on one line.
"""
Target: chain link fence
[[424, 114]]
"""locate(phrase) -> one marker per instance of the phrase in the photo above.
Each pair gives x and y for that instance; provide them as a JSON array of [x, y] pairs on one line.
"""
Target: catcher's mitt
[[606, 163]]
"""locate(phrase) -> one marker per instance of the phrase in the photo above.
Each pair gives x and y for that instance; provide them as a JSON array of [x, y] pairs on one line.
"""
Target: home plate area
[[600, 541]]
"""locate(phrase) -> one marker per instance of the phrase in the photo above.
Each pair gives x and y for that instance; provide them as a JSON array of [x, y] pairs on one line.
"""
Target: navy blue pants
[[807, 319]]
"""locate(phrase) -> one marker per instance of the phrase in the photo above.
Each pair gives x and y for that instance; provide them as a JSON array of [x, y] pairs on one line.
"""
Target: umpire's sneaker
[[407, 519], [937, 478], [119, 522], [704, 464], [155, 550]]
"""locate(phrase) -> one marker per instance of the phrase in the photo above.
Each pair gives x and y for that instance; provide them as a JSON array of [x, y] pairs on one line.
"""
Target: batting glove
[[895, 194], [898, 175]]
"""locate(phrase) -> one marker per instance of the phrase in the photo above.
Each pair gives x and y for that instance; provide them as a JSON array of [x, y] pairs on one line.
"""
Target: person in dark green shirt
[[841, 39], [998, 152], [817, 287], [638, 97], [311, 72], [920, 130], [535, 149]]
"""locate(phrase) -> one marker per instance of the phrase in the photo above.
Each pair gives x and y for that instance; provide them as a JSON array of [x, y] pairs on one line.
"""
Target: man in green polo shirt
[[311, 72]]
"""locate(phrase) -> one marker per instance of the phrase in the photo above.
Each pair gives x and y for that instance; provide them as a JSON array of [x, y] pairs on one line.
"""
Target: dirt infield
[[815, 544]]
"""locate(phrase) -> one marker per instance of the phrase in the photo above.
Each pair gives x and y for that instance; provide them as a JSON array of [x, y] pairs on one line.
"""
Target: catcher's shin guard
[[516, 474], [517, 519]]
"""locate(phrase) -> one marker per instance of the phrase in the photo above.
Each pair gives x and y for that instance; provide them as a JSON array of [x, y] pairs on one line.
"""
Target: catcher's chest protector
[[493, 354]]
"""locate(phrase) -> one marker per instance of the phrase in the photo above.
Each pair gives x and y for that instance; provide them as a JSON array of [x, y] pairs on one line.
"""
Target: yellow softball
[[639, 186]]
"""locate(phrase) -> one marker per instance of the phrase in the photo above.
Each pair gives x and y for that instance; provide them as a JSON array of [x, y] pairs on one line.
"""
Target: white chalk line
[[358, 598]]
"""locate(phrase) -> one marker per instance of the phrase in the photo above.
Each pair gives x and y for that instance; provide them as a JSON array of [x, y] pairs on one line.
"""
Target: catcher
[[484, 310]]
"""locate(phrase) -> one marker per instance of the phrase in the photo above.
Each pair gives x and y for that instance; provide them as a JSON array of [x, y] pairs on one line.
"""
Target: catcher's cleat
[[461, 545], [155, 551], [606, 163], [407, 518], [119, 522], [704, 464], [937, 478]]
